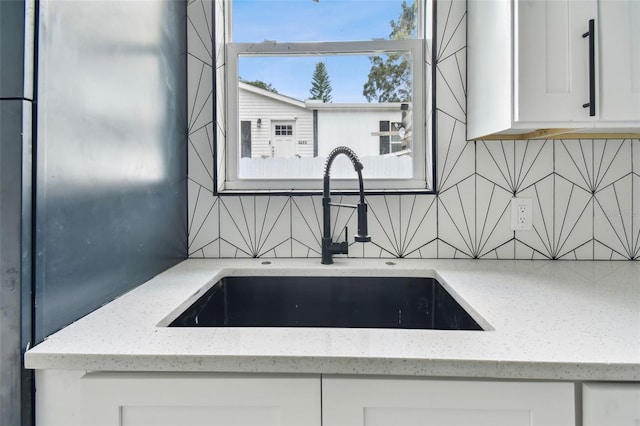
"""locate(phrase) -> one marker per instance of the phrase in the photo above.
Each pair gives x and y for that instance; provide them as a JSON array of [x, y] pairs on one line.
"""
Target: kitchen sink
[[342, 302]]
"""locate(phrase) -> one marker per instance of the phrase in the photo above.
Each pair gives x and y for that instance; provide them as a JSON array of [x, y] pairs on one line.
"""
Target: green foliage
[[261, 85], [390, 75], [320, 84]]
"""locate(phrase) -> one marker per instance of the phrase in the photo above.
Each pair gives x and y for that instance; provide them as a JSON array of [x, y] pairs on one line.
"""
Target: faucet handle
[[363, 234]]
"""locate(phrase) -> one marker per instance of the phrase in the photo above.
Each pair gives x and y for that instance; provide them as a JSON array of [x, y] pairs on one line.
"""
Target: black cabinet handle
[[592, 68]]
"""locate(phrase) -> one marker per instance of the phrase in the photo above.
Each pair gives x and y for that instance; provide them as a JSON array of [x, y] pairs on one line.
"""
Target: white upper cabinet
[[552, 61], [539, 67], [619, 50]]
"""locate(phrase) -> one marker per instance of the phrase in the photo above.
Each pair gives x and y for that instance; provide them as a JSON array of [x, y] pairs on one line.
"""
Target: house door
[[283, 138]]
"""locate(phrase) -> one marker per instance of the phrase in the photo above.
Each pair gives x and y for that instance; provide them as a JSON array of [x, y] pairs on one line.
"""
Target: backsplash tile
[[401, 225], [255, 226], [203, 222], [635, 194], [573, 219], [539, 241], [586, 193], [514, 165], [456, 156], [493, 218], [613, 217], [306, 226]]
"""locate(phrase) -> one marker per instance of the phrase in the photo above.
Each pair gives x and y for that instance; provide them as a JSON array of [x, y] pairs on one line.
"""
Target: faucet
[[329, 248]]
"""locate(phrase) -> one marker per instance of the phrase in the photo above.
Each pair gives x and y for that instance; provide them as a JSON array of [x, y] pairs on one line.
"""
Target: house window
[[284, 130], [369, 67]]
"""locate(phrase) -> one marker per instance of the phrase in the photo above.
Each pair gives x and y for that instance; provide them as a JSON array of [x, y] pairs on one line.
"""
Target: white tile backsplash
[[586, 193]]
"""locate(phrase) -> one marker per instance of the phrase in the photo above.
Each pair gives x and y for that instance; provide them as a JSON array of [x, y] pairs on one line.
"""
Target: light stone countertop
[[560, 320]]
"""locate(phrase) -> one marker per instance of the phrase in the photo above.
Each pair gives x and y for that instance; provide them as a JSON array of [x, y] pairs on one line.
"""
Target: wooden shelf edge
[[558, 134]]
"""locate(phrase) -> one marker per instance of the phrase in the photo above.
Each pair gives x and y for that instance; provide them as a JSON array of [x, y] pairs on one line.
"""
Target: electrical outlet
[[521, 214]]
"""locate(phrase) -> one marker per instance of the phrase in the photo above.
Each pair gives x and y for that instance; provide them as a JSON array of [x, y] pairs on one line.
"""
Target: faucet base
[[329, 248]]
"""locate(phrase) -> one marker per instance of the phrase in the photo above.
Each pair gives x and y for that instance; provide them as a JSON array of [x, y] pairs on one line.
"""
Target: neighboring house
[[370, 129], [274, 125]]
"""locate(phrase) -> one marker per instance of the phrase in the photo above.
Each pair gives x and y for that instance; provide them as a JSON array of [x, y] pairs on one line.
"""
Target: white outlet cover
[[521, 214]]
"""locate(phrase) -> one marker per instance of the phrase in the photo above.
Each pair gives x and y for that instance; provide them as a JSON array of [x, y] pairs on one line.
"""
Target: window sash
[[419, 153]]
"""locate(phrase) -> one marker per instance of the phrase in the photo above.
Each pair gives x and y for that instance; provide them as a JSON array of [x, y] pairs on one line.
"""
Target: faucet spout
[[329, 248]]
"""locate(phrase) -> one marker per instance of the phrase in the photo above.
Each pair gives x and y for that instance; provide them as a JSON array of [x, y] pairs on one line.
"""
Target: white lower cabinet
[[361, 401], [611, 404], [73, 398]]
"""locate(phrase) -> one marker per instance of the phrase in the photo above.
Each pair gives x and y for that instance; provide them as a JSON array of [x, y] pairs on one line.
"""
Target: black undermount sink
[[339, 302]]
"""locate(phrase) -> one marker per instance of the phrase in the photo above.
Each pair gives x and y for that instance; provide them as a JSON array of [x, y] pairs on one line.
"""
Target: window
[[289, 99], [394, 138], [284, 130]]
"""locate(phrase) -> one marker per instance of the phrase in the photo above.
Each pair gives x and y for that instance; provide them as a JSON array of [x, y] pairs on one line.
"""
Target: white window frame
[[420, 148]]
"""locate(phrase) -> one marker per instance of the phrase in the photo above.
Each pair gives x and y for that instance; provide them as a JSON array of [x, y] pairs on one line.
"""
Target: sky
[[306, 20]]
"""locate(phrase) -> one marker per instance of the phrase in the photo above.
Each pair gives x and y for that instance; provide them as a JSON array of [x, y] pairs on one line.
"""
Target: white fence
[[378, 167]]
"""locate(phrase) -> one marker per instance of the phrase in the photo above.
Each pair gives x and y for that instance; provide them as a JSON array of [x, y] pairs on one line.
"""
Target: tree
[[261, 85], [321, 85], [390, 76]]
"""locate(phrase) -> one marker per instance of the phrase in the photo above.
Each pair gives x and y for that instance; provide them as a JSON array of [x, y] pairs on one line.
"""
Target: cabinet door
[[552, 61], [608, 404], [183, 399], [618, 27], [399, 402]]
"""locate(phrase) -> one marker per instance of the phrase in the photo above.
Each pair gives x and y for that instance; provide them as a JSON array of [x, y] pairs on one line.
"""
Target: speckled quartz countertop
[[568, 320]]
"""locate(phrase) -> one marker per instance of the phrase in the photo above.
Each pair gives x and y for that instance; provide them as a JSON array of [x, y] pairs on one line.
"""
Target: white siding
[[253, 106], [353, 128]]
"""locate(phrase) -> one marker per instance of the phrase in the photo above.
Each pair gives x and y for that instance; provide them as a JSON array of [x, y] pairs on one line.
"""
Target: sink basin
[[343, 302]]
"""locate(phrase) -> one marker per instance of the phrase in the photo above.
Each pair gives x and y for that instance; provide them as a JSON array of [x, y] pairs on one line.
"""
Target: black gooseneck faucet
[[329, 248]]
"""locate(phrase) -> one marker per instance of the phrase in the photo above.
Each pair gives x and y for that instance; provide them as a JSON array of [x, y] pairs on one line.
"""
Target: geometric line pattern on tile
[[506, 250], [524, 250], [451, 28], [202, 98], [456, 217], [254, 219], [203, 209], [515, 165], [400, 223], [308, 227], [448, 251], [220, 95], [573, 221], [451, 93], [200, 157], [540, 237], [570, 208], [204, 217], [492, 217], [592, 164], [613, 208], [201, 242], [635, 209], [455, 155], [635, 195], [199, 23]]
